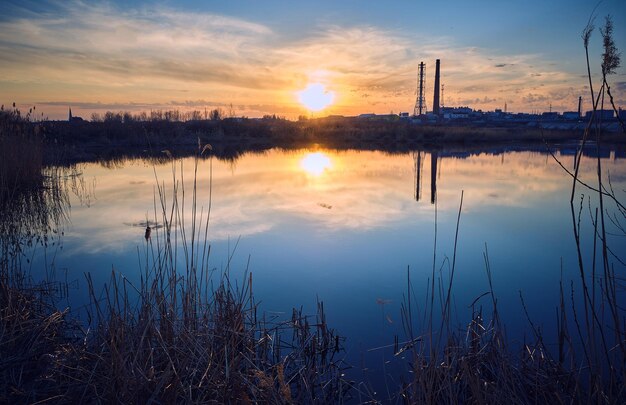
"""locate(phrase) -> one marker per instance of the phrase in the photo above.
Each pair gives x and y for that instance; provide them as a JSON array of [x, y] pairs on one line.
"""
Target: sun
[[315, 97], [315, 163]]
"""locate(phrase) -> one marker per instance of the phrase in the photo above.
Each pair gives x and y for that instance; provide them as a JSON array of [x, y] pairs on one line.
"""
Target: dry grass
[[478, 364], [182, 335], [21, 153]]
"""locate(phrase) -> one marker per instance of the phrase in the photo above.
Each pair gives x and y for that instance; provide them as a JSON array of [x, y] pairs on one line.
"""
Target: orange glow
[[316, 163], [315, 97]]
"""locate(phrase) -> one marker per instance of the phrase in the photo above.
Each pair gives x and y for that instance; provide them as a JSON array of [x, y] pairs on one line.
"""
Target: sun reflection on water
[[315, 163]]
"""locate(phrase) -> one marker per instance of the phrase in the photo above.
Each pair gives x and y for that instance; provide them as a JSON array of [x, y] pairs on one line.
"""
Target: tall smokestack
[[580, 104], [436, 97]]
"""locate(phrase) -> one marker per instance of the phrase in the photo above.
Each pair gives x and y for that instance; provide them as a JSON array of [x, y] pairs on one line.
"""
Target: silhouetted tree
[[156, 115], [195, 115], [216, 114], [110, 116], [231, 111]]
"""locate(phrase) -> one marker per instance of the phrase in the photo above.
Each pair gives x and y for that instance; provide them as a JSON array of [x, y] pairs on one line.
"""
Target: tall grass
[[21, 153], [33, 203], [33, 199], [180, 334], [583, 362]]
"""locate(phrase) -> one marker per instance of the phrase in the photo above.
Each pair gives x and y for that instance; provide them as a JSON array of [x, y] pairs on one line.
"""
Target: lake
[[348, 228]]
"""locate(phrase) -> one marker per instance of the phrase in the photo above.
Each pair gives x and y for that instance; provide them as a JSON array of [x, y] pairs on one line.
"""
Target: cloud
[[131, 106], [100, 106], [134, 45], [101, 57], [195, 103], [534, 98], [261, 109], [477, 101]]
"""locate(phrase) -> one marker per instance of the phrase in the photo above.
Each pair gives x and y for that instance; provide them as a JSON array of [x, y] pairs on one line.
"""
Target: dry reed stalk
[[175, 337]]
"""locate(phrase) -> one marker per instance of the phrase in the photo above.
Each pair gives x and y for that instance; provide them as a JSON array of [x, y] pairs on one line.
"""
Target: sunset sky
[[257, 55]]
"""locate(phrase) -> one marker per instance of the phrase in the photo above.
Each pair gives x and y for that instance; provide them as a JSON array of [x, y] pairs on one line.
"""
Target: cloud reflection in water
[[269, 191]]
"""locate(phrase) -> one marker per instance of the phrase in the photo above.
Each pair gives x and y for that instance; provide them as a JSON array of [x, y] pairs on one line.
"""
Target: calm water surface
[[344, 227]]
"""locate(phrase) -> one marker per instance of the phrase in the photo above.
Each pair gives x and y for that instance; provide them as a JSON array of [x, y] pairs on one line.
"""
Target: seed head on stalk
[[611, 56]]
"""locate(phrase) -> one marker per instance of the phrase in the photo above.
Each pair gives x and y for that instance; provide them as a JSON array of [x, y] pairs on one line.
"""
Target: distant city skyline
[[260, 57]]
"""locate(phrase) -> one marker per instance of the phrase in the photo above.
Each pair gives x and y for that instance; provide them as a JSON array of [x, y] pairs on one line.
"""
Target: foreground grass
[[182, 335], [152, 354], [219, 353]]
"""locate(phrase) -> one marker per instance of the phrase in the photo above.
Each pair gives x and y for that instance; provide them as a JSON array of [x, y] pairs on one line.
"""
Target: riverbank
[[330, 131], [86, 141]]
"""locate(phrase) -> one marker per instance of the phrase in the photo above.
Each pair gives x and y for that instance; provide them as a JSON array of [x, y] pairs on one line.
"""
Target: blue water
[[344, 227]]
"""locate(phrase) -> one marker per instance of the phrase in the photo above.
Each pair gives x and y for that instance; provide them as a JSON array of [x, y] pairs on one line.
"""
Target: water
[[345, 228]]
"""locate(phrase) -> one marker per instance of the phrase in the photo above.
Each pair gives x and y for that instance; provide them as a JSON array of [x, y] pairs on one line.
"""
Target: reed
[[587, 362], [478, 363], [33, 198], [21, 152], [180, 334]]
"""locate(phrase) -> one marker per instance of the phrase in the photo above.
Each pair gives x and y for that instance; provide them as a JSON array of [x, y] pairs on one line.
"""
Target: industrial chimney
[[580, 102], [436, 97]]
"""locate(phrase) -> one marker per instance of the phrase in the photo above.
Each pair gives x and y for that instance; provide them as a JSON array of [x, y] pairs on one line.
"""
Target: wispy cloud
[[132, 106], [100, 43], [96, 56]]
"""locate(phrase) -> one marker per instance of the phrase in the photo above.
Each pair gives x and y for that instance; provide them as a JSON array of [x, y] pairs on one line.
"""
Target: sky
[[252, 58]]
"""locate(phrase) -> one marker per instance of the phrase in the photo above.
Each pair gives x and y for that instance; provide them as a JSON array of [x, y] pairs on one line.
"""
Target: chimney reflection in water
[[418, 175], [417, 157], [433, 177]]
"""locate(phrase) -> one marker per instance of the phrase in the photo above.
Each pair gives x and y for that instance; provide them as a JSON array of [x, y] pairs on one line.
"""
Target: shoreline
[[86, 141]]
